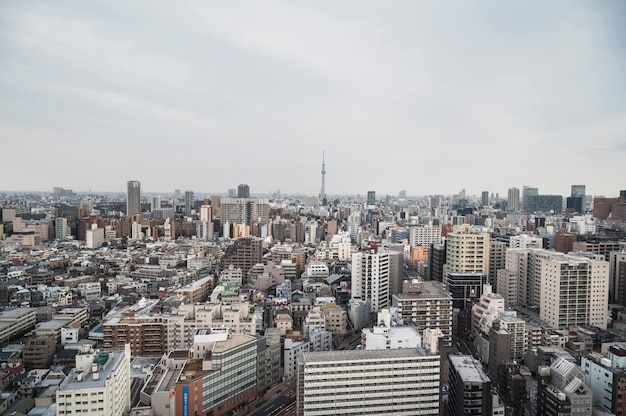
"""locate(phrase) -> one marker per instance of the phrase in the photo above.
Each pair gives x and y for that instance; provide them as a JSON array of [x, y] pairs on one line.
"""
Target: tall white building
[[98, 386], [574, 291], [61, 230], [383, 382], [370, 278], [513, 203]]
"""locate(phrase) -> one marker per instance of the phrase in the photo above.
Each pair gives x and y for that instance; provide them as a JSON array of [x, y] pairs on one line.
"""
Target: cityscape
[[187, 303], [275, 208]]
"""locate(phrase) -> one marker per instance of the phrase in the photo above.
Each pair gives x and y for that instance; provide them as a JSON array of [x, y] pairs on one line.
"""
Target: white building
[[98, 386], [293, 349], [388, 335], [424, 236], [380, 382], [61, 230], [574, 291], [370, 278], [94, 237], [525, 241]]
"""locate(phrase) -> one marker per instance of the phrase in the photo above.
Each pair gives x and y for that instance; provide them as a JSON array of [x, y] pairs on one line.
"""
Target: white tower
[[323, 190]]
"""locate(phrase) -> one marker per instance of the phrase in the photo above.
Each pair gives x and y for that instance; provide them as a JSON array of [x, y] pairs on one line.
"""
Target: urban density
[[187, 303]]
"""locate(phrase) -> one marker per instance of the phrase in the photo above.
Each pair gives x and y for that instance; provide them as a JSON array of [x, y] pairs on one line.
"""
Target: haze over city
[[431, 97]]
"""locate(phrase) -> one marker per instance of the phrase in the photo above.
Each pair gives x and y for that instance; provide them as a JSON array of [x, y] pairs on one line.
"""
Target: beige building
[[467, 252]]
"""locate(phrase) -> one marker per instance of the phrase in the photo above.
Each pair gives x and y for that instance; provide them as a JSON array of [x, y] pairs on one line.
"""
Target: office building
[[497, 261], [617, 277], [470, 387], [370, 277], [527, 192], [578, 191], [382, 382], [465, 286], [371, 197], [513, 203], [133, 198], [484, 198], [243, 191], [436, 262], [98, 386]]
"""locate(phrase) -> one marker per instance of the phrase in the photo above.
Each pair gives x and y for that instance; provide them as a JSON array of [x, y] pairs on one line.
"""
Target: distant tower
[[189, 202], [323, 190], [243, 191], [133, 198], [512, 203]]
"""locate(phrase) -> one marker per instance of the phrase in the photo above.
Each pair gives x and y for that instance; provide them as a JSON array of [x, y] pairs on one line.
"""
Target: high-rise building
[[465, 286], [189, 202], [617, 277], [470, 387], [370, 277], [371, 197], [381, 382], [155, 203], [484, 198], [61, 230], [133, 198], [436, 262], [513, 200], [527, 192], [243, 191], [578, 191], [467, 251]]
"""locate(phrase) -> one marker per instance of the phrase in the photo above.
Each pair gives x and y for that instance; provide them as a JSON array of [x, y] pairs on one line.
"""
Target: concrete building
[[61, 229], [384, 335], [370, 278], [525, 241], [574, 291], [513, 202], [427, 305], [606, 377], [133, 198], [565, 392], [424, 235], [464, 286], [467, 252], [368, 382], [98, 386], [470, 387]]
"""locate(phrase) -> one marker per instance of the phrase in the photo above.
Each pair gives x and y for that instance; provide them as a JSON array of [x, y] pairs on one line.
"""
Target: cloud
[[427, 97]]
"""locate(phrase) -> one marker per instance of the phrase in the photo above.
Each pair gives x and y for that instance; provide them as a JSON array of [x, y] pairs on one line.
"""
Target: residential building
[[427, 305], [370, 278], [368, 382]]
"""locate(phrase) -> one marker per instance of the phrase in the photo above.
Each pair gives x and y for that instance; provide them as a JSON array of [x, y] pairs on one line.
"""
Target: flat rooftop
[[470, 369], [362, 355]]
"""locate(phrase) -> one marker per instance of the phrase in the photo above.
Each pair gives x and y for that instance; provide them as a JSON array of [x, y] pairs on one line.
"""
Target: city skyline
[[421, 97]]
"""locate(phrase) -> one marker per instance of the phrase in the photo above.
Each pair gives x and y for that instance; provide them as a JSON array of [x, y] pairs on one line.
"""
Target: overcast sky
[[427, 96]]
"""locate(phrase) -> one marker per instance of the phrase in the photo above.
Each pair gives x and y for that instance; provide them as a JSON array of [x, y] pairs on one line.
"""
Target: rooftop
[[470, 370]]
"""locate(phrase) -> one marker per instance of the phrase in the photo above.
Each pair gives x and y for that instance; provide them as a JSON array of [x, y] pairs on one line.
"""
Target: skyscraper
[[189, 202], [528, 192], [133, 199], [513, 199], [243, 191], [370, 277], [371, 197], [578, 191], [485, 198]]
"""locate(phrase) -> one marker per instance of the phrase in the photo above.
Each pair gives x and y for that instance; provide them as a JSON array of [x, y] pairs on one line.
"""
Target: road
[[460, 345], [275, 406]]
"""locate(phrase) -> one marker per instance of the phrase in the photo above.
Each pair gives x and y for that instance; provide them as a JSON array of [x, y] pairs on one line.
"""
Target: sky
[[430, 97]]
